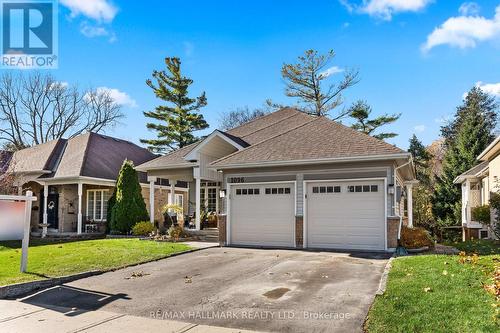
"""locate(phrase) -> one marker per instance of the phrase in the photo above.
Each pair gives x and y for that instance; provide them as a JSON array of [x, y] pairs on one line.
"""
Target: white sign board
[[12, 216], [15, 221]]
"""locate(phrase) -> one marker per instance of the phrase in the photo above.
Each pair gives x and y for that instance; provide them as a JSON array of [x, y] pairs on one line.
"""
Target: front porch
[[475, 192]]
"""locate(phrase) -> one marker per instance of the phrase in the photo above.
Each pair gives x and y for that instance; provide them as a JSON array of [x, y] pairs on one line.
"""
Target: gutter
[[315, 161]]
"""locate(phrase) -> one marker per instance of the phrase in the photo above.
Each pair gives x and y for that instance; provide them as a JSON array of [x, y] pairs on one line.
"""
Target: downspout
[[395, 193]]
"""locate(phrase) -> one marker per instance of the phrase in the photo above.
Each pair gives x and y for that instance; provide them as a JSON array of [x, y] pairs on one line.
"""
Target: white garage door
[[346, 215], [262, 215]]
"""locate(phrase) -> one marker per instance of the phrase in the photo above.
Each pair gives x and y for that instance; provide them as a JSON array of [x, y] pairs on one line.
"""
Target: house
[[75, 177], [5, 157], [477, 184], [288, 179]]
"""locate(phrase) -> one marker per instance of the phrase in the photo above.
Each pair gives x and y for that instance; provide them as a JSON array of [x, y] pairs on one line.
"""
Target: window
[[327, 189], [97, 204], [483, 234], [179, 200], [362, 188], [278, 190], [247, 191]]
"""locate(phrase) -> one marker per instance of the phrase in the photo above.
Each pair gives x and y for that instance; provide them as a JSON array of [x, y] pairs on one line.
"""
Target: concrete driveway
[[255, 289]]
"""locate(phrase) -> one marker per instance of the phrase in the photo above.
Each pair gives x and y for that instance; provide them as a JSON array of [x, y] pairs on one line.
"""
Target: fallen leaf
[[445, 272], [427, 289]]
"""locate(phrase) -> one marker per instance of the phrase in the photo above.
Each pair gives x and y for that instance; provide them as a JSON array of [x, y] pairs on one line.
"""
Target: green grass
[[46, 260], [479, 246], [456, 301]]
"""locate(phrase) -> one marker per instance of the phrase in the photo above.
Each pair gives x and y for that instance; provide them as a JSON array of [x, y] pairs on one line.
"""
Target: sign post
[[15, 221]]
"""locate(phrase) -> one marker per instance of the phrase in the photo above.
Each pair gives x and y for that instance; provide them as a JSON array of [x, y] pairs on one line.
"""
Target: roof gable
[[39, 158]]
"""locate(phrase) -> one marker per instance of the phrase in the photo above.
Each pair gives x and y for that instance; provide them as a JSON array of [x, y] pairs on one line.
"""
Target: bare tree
[[35, 108], [305, 81], [239, 116]]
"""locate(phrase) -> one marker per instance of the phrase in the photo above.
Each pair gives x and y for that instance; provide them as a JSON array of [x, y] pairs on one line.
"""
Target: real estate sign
[[15, 221], [12, 216]]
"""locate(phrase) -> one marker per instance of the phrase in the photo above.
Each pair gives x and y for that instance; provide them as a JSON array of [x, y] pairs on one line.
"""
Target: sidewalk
[[20, 317]]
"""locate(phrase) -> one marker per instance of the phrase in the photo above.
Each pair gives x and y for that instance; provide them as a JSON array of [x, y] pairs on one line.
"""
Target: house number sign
[[236, 180]]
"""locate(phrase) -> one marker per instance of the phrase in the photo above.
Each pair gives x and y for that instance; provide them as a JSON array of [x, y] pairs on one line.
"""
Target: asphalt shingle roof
[[287, 135], [318, 138], [475, 170]]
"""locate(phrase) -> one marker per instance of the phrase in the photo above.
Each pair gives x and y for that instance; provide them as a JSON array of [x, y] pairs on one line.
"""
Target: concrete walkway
[[16, 316]]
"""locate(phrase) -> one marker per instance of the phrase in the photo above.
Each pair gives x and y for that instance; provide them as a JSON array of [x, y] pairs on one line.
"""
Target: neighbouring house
[[5, 157], [477, 183], [74, 178], [293, 180]]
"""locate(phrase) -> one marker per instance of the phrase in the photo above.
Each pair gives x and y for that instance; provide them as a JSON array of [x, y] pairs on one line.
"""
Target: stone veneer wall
[[299, 231], [221, 225]]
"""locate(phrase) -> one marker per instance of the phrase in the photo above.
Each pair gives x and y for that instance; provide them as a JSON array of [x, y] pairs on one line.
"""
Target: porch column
[[198, 203], [409, 190], [45, 215], [152, 181], [467, 203], [80, 193], [172, 191]]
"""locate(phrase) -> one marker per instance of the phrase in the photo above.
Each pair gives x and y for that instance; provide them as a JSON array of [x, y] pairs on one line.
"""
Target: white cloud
[[331, 71], [385, 9], [99, 10], [91, 31], [469, 9], [464, 31], [489, 88], [419, 128], [120, 97]]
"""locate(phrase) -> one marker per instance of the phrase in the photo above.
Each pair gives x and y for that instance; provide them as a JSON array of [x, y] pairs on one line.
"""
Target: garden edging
[[20, 289], [383, 279]]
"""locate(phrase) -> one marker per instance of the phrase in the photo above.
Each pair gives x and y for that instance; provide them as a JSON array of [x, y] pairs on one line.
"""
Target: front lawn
[[438, 293], [53, 259]]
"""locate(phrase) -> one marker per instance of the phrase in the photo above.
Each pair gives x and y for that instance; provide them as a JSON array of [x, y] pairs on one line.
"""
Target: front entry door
[[52, 210]]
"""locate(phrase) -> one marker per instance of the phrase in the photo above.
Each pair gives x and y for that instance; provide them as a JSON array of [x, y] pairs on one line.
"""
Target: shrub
[[414, 238], [481, 214], [176, 231], [495, 204], [129, 207], [143, 228]]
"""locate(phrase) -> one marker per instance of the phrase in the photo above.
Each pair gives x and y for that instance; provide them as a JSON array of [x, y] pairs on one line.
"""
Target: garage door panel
[[263, 219], [347, 219]]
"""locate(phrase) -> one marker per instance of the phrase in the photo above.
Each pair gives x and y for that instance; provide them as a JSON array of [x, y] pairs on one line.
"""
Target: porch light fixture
[[222, 193], [390, 188]]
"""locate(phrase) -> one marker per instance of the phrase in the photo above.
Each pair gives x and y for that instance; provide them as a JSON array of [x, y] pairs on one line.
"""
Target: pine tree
[[180, 117], [466, 137], [361, 112], [422, 193], [421, 158], [478, 102], [129, 206], [306, 80]]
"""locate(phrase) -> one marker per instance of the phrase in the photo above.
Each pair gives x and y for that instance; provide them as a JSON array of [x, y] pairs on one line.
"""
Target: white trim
[[192, 155], [305, 182], [228, 209], [184, 165], [487, 149], [307, 162]]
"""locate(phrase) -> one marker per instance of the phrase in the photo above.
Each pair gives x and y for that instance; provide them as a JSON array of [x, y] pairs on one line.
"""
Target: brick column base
[[392, 231], [221, 225], [299, 231]]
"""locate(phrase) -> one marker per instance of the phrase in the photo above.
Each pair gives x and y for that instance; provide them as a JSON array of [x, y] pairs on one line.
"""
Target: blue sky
[[415, 57]]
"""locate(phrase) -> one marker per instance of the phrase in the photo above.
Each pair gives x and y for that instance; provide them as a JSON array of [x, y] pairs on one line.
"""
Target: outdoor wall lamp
[[390, 188], [222, 193]]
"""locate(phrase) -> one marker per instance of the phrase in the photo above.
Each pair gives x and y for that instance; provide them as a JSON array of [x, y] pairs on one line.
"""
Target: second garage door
[[262, 214], [346, 215]]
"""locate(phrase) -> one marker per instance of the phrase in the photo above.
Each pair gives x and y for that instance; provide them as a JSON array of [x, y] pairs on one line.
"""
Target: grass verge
[[54, 259]]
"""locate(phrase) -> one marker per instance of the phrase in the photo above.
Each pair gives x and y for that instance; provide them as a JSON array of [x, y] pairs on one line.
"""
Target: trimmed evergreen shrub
[[109, 215], [143, 228], [129, 207]]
